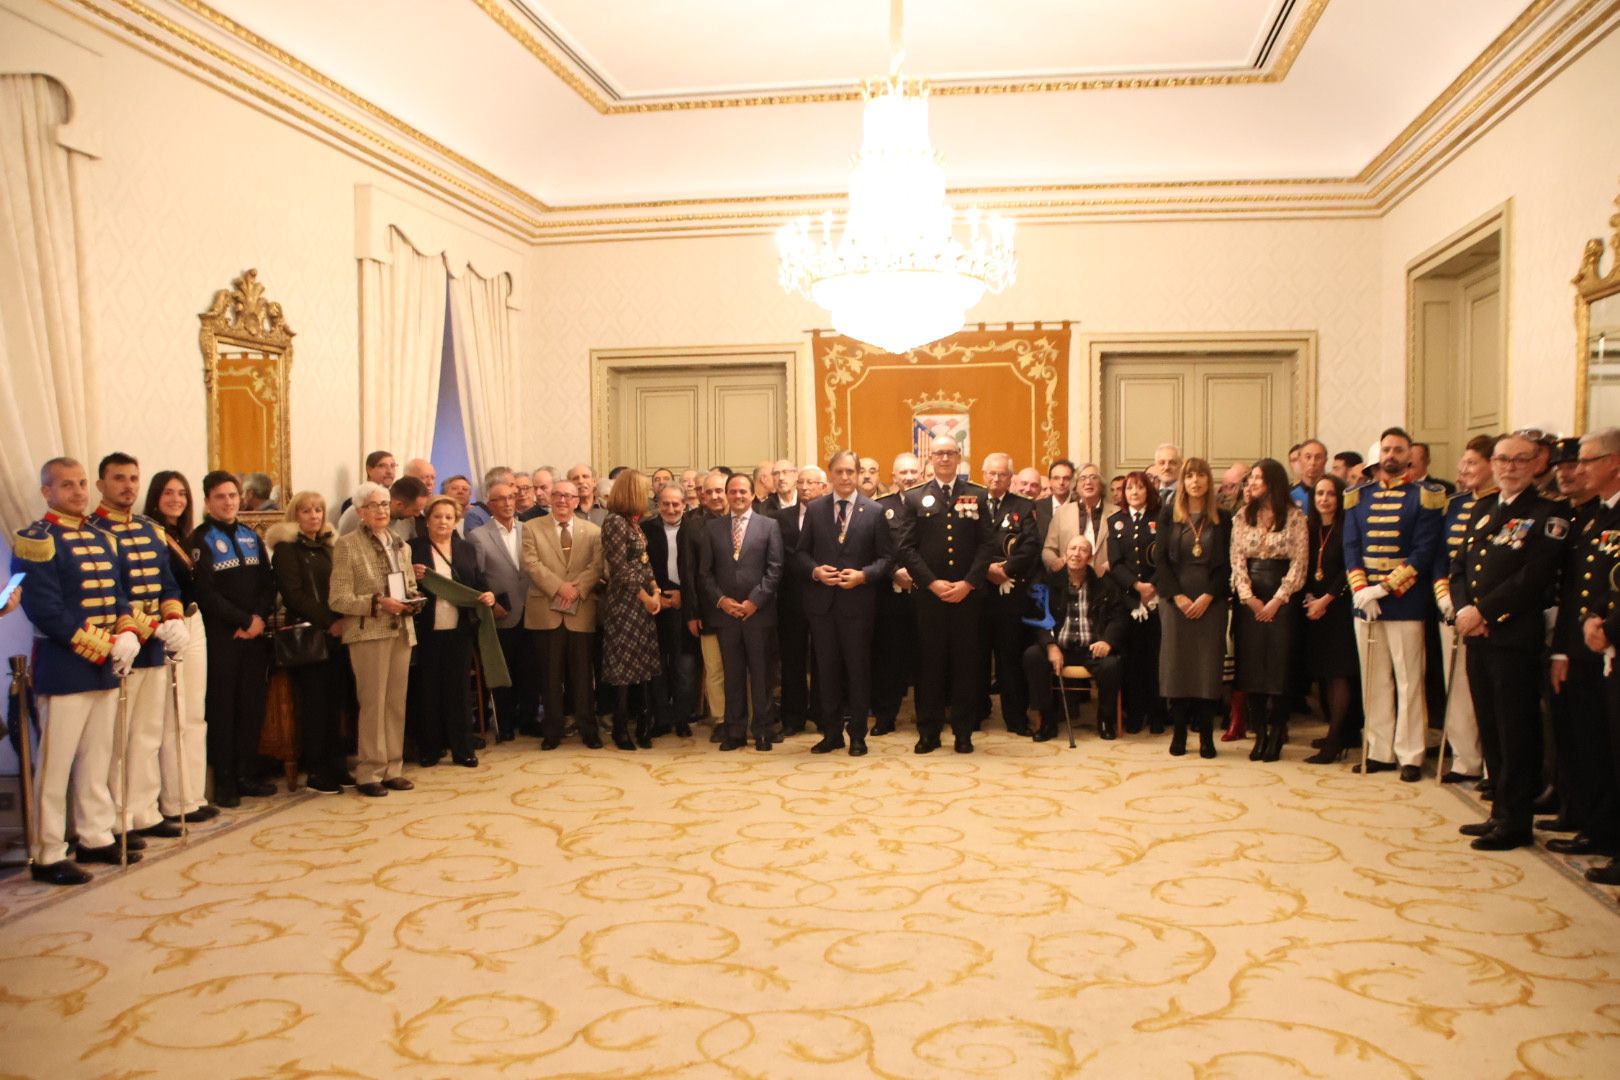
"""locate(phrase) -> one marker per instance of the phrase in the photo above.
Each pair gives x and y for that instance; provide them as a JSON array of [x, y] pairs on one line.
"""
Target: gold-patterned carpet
[[1029, 911]]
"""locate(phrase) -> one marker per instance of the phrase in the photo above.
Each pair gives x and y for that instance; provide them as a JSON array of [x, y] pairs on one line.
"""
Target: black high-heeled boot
[[1260, 725], [1277, 732], [644, 731], [621, 732], [1178, 734], [1206, 735]]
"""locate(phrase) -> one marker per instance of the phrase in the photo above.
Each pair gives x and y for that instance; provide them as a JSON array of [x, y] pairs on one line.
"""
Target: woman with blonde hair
[[1194, 575], [630, 657], [301, 555]]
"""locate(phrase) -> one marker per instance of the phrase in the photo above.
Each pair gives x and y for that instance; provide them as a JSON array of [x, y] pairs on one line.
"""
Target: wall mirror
[[247, 358], [1597, 334]]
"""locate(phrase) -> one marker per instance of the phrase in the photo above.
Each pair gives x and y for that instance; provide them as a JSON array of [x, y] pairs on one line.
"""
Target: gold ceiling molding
[[501, 15]]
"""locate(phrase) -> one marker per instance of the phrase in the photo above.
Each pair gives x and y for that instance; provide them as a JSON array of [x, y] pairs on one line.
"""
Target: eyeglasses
[[374, 506], [1516, 460], [1593, 458], [563, 496], [945, 453]]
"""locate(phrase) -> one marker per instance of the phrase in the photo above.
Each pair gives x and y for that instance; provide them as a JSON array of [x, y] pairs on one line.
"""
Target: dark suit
[[793, 630], [1105, 616], [945, 539], [1002, 631], [1044, 512], [753, 573], [894, 639], [1130, 562], [842, 619], [675, 689], [436, 714]]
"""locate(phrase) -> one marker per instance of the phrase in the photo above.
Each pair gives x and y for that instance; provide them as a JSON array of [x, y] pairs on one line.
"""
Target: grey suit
[[516, 706], [753, 573]]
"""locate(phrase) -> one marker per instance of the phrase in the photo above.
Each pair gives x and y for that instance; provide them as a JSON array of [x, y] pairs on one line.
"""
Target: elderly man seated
[[1088, 617]]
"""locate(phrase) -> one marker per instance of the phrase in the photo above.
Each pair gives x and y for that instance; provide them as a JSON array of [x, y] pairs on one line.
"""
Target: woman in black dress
[[1330, 639], [1268, 568], [1194, 579], [444, 636], [1131, 535], [301, 556]]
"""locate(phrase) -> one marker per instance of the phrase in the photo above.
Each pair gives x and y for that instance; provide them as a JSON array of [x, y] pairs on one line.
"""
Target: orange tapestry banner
[[991, 390]]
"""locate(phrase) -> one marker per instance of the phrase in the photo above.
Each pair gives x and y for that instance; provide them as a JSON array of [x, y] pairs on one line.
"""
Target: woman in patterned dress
[[1269, 553], [630, 608]]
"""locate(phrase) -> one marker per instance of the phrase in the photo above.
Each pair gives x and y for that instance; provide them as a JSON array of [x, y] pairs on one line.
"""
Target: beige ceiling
[[568, 112]]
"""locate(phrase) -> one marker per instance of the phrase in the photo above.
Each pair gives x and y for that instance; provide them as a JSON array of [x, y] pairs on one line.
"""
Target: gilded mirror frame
[[247, 355], [1591, 285]]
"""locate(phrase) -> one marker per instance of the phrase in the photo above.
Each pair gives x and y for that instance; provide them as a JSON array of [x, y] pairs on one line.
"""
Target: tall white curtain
[[486, 367], [46, 364], [402, 305]]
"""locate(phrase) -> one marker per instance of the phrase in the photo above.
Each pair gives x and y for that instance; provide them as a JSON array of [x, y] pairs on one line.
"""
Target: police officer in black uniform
[[894, 635], [1500, 578], [1015, 559], [944, 542]]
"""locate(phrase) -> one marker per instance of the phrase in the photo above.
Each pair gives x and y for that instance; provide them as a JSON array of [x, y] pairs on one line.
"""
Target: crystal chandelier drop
[[898, 276]]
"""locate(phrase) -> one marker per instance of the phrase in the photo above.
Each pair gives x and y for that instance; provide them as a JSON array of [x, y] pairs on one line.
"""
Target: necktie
[[843, 518], [736, 536], [567, 542], [995, 509], [945, 494]]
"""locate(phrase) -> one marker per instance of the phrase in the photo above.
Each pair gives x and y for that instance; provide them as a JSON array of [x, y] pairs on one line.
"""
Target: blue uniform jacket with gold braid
[[1391, 537], [154, 596], [1459, 519], [75, 597]]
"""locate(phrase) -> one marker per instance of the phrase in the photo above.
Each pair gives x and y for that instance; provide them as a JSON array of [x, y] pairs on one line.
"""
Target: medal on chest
[[1512, 533], [967, 506]]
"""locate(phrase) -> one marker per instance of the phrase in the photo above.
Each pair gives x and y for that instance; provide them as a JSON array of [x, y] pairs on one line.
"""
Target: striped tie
[[736, 536]]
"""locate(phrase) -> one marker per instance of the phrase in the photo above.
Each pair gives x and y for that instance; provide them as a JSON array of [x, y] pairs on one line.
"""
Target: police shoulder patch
[[1557, 528]]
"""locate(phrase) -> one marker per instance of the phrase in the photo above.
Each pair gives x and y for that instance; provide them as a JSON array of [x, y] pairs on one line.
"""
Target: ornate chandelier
[[898, 276]]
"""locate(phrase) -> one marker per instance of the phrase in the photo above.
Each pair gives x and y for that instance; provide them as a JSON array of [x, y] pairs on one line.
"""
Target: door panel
[[1483, 389], [685, 418], [746, 418], [669, 426], [1238, 416], [1237, 408], [1149, 403]]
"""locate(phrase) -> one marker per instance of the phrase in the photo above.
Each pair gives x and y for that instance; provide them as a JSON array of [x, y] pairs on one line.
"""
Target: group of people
[[800, 596]]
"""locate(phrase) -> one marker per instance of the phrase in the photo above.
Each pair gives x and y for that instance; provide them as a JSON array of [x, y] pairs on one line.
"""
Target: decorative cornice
[[312, 100]]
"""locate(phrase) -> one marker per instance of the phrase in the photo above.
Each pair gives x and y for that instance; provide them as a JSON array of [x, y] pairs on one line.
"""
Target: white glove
[[126, 647], [1366, 601], [1140, 613], [174, 635], [1448, 610]]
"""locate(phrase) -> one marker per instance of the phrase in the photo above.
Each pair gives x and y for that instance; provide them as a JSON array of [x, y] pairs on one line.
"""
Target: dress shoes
[[371, 791], [1580, 844], [793, 727], [1477, 828], [883, 727], [135, 841], [1411, 774], [591, 738], [398, 783], [468, 762], [163, 830], [857, 748], [549, 743], [1105, 729], [623, 742], [1452, 776], [1604, 875], [926, 744], [1374, 765], [257, 789], [1155, 727], [683, 730], [203, 813], [775, 735], [428, 761], [718, 734], [1557, 824], [1546, 802], [58, 873], [323, 785], [762, 742], [732, 744], [1500, 839], [827, 745], [1045, 733], [478, 743], [227, 800], [108, 855], [964, 744], [505, 736], [1021, 730]]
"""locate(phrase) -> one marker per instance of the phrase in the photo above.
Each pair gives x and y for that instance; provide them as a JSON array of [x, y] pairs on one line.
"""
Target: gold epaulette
[[1353, 496], [914, 487], [1433, 496], [39, 549]]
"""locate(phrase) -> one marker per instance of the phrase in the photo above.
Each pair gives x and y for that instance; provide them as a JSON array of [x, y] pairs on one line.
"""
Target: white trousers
[[1392, 689], [181, 794], [147, 690], [1462, 727], [76, 742]]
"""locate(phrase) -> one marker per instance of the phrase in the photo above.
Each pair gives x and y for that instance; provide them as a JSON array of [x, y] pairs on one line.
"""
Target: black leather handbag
[[300, 645]]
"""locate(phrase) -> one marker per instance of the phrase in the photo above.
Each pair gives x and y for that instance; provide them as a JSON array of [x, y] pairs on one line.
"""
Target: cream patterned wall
[[1557, 158], [1110, 278]]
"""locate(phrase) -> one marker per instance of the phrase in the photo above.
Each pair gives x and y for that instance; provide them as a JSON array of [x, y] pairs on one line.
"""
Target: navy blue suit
[[841, 620]]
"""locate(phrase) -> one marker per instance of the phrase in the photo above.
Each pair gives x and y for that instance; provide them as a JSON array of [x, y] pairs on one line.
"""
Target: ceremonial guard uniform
[[1585, 758], [1503, 569], [1462, 727], [894, 635], [1391, 535], [154, 599], [234, 583], [1131, 537], [944, 535], [75, 598], [1016, 542]]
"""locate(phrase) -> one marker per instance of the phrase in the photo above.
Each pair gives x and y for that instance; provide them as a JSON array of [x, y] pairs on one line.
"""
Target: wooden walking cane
[[21, 683]]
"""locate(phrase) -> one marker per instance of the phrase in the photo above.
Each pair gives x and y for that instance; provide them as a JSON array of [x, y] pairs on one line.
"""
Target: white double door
[[1224, 409]]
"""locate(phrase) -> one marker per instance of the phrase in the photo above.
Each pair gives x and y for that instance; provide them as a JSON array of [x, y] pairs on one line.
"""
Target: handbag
[[300, 645]]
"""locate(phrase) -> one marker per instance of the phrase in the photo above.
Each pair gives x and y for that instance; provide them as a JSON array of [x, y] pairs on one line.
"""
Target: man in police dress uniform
[[1391, 532], [1499, 581], [84, 641], [944, 542], [1015, 559], [894, 636], [154, 600]]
